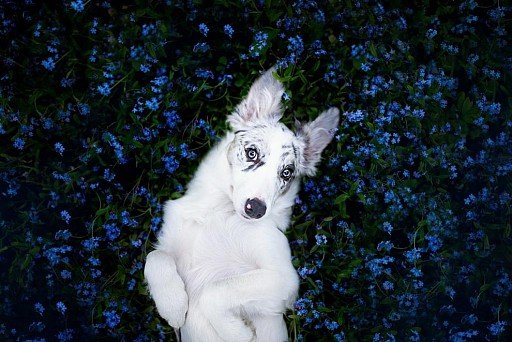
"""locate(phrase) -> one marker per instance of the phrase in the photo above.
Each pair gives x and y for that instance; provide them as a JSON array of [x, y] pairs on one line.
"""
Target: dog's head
[[266, 158]]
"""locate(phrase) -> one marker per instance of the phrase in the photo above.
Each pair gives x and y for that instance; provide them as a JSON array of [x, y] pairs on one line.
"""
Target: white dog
[[222, 268]]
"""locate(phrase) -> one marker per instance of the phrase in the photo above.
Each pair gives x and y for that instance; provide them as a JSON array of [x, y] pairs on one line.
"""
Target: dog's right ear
[[262, 104], [316, 136]]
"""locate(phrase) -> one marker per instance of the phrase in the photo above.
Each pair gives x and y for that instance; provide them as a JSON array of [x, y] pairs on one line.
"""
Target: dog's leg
[[270, 328], [231, 328], [255, 293], [197, 328], [166, 287]]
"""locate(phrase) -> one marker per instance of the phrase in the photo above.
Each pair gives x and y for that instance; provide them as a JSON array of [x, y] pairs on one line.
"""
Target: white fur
[[216, 274]]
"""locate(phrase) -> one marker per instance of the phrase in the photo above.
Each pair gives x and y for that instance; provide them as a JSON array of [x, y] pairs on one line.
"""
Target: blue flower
[[91, 243], [66, 335], [172, 119], [131, 284], [388, 286], [77, 5], [19, 143], [413, 255], [385, 246], [171, 164], [108, 175], [203, 28], [204, 73], [376, 265], [259, 43], [321, 239], [331, 325], [201, 47], [492, 74], [61, 307], [48, 63], [228, 30], [104, 89], [434, 242], [387, 227], [55, 254], [152, 104], [63, 235], [295, 48], [365, 67], [118, 148], [65, 216], [471, 319], [305, 271], [59, 148], [155, 223], [148, 29], [65, 274], [112, 231], [127, 220], [450, 48], [83, 109], [112, 319], [66, 82], [206, 127], [356, 116], [497, 328], [94, 261], [431, 33], [39, 308], [94, 26]]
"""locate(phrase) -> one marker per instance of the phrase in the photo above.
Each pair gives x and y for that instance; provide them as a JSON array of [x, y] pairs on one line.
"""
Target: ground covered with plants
[[106, 108]]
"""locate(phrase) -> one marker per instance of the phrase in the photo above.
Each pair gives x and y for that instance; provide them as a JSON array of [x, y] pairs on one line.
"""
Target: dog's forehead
[[273, 138]]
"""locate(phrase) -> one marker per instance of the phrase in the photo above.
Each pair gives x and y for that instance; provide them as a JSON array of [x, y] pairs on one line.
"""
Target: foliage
[[107, 106]]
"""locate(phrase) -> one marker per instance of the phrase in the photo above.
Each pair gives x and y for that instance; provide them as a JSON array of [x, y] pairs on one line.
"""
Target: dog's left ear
[[316, 136], [262, 104]]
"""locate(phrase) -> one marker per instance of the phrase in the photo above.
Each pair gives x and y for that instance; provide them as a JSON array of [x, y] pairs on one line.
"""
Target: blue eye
[[287, 173], [251, 154]]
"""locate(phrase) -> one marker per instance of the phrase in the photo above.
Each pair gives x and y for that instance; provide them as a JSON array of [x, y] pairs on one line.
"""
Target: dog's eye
[[287, 173], [251, 153]]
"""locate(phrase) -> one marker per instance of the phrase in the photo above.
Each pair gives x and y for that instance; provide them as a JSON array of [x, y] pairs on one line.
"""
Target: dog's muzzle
[[255, 208]]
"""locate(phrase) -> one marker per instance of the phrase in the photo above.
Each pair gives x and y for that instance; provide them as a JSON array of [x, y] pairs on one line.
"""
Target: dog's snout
[[255, 208]]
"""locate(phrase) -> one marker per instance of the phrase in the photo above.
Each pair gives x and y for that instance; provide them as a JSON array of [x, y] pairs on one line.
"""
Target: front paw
[[172, 305], [228, 326], [234, 329]]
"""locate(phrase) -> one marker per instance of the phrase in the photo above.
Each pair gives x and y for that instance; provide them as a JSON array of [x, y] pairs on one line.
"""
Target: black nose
[[255, 208]]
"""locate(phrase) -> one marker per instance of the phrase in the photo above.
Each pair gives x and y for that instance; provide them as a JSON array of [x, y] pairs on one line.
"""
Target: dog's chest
[[219, 251]]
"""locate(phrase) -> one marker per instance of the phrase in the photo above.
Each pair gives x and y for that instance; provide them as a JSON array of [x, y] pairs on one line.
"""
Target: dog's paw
[[228, 326], [166, 287], [233, 329], [172, 305], [241, 333]]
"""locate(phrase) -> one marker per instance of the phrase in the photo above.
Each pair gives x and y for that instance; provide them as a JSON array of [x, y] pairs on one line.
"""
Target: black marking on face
[[284, 183], [240, 131], [295, 151], [286, 172], [253, 141], [284, 155], [254, 167], [259, 126]]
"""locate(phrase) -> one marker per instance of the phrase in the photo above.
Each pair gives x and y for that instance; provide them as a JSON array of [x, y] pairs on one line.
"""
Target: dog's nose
[[255, 208]]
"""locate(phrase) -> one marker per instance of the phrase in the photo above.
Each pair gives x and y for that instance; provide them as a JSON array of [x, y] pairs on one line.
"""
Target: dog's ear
[[316, 136], [262, 104]]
